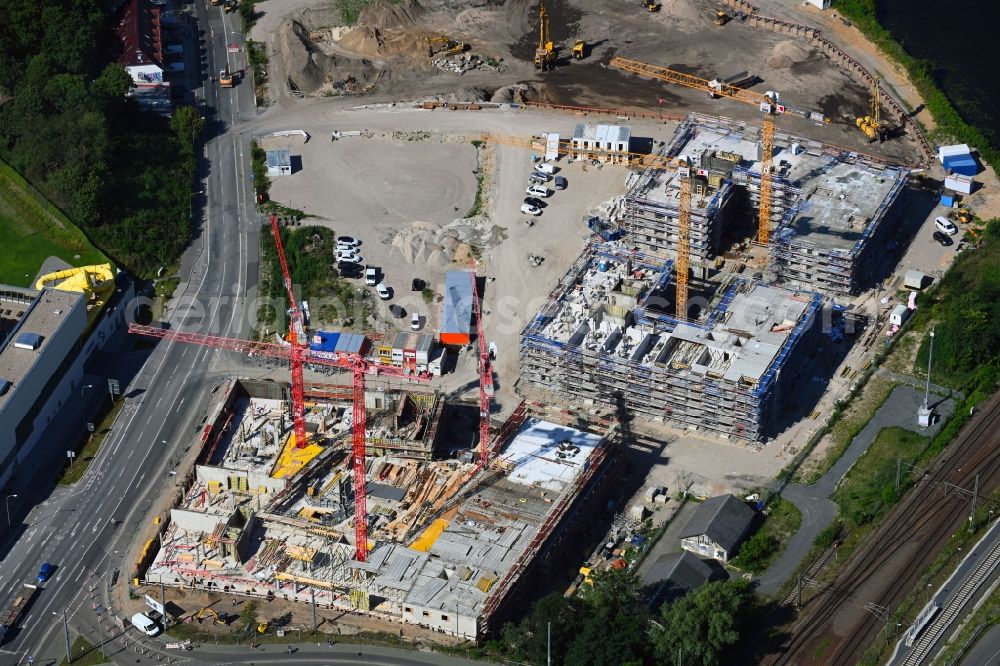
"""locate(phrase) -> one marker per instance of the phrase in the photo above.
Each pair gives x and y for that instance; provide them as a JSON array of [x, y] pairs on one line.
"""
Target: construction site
[[830, 210], [449, 544]]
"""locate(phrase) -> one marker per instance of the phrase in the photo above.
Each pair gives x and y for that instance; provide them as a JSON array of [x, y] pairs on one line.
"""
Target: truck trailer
[[12, 614]]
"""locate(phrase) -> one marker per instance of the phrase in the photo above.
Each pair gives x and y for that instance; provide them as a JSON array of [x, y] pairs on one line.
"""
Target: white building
[[594, 142], [279, 163], [717, 528], [821, 4], [44, 344]]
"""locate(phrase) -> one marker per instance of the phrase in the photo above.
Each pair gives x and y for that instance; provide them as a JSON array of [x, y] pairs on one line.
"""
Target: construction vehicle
[[216, 3], [297, 352], [872, 125], [721, 18], [485, 375], [579, 49], [545, 54], [230, 6], [262, 627], [226, 78], [12, 615], [205, 612], [437, 45], [651, 5]]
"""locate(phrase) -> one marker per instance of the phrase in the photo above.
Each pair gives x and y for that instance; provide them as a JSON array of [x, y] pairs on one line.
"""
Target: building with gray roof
[[717, 528]]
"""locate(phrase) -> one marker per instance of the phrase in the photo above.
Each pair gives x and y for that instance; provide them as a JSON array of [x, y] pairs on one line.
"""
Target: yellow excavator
[[204, 612], [721, 18], [579, 49], [872, 125], [651, 5], [436, 45], [545, 54]]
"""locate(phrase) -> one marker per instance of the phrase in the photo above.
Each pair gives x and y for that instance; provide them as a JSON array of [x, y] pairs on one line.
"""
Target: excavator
[[436, 45], [651, 5], [210, 611], [721, 18], [545, 54], [579, 49], [872, 125]]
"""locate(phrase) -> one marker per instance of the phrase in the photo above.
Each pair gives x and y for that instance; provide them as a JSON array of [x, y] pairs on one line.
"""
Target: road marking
[[79, 572]]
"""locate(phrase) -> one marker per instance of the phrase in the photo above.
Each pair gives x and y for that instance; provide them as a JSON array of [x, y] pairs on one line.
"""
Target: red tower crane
[[485, 376], [297, 338], [357, 364]]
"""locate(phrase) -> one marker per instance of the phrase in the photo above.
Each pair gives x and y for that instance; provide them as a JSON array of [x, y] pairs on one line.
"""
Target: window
[[425, 614], [407, 609], [444, 618]]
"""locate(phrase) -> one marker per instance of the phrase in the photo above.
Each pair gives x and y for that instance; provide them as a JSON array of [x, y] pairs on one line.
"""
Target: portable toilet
[[948, 199]]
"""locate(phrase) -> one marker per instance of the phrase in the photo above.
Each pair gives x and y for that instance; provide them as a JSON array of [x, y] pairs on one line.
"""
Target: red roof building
[[139, 31]]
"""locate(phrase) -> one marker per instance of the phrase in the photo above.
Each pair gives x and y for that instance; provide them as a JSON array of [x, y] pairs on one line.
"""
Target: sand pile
[[378, 43], [436, 245], [391, 14], [683, 9], [309, 68], [515, 94], [788, 53]]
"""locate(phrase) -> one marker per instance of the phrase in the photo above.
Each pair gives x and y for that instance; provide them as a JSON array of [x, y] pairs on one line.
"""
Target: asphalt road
[[986, 650], [71, 527]]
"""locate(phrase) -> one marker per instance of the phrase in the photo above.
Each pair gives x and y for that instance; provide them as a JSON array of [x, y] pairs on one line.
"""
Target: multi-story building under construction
[[451, 547], [831, 210], [606, 337]]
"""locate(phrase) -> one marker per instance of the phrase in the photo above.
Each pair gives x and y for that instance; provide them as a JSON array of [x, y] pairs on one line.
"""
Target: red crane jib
[[485, 377], [359, 367]]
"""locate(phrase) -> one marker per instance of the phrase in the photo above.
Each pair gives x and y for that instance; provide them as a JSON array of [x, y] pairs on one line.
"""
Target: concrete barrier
[[302, 133]]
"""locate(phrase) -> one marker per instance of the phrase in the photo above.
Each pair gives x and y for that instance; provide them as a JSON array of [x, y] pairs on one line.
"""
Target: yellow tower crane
[[767, 103], [682, 267], [545, 54]]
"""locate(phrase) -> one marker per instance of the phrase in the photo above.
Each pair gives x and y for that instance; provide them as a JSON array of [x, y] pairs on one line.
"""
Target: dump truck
[[12, 614], [226, 78]]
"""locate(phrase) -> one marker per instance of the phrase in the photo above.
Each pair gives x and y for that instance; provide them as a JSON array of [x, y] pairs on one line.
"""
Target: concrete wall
[[441, 620], [206, 473]]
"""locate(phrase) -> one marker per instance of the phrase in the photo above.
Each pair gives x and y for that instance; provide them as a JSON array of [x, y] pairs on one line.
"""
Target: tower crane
[[545, 54], [485, 376], [297, 340], [647, 161], [297, 354], [768, 103]]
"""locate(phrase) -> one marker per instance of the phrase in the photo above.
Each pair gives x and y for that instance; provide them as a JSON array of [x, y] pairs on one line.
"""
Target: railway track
[[930, 513]]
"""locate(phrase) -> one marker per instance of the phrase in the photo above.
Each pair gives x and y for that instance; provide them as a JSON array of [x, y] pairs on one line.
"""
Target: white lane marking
[[139, 481]]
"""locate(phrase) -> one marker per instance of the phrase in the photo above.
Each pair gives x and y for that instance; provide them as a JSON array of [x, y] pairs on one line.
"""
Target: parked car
[[561, 183], [538, 191], [415, 321], [528, 209], [397, 311], [349, 255], [418, 285], [539, 177], [45, 572], [537, 203], [350, 270], [383, 291], [943, 238], [945, 225], [371, 276], [547, 167], [349, 241]]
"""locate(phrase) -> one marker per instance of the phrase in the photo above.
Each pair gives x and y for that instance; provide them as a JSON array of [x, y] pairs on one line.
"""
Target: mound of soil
[[391, 14], [787, 53], [683, 9], [380, 43], [515, 94], [308, 68]]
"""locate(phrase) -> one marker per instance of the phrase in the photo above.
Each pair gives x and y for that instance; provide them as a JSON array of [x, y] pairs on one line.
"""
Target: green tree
[[527, 641], [248, 615], [614, 628], [698, 628], [187, 125]]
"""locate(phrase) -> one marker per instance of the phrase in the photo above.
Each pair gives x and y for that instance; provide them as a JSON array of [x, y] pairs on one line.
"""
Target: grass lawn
[[760, 550], [89, 451], [33, 229], [85, 654], [869, 488]]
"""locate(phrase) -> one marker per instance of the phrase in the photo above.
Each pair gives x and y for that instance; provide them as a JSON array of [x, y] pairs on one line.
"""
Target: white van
[[371, 276], [945, 225], [143, 623], [547, 167]]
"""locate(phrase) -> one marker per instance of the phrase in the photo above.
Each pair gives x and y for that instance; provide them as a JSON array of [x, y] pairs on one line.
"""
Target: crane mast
[[764, 220], [683, 243], [485, 375]]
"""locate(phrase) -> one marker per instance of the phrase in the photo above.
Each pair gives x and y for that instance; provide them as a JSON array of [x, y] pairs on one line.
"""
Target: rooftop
[[139, 32], [278, 158], [601, 133], [43, 318], [723, 519], [738, 343]]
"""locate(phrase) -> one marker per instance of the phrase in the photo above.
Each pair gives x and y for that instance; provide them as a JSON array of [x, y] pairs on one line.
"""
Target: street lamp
[[69, 654], [925, 415], [6, 503]]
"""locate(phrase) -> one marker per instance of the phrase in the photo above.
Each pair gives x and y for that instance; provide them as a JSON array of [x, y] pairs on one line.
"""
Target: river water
[[960, 39]]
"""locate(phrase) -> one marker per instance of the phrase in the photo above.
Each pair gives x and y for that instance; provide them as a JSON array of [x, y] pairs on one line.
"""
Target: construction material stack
[[12, 615]]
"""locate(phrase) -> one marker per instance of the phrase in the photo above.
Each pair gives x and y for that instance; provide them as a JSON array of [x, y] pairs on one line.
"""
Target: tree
[[698, 628], [248, 615], [527, 641], [614, 628], [187, 125]]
